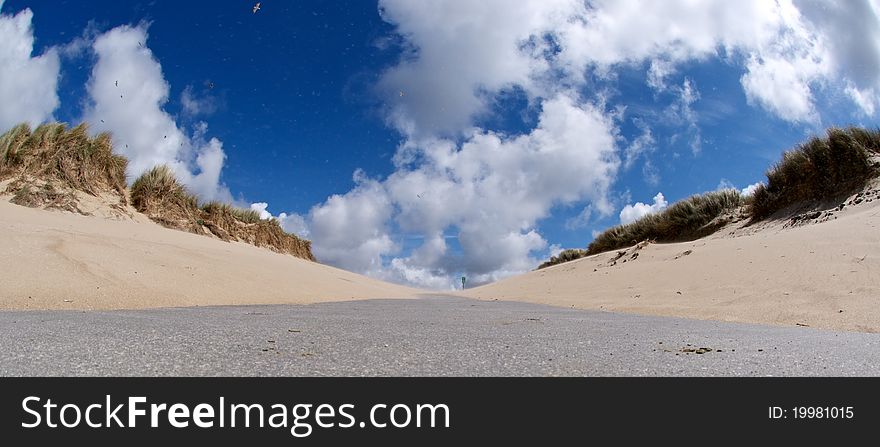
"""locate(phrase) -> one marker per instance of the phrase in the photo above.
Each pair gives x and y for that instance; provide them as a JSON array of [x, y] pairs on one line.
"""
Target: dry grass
[[565, 256], [68, 158], [33, 195], [228, 212], [818, 170], [689, 219], [159, 195], [50, 164], [822, 169], [695, 217]]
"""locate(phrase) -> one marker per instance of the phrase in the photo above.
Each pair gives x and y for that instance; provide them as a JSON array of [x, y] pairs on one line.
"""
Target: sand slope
[[824, 275], [60, 260]]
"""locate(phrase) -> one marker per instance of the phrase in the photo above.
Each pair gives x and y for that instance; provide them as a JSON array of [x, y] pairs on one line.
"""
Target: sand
[[62, 260], [821, 275]]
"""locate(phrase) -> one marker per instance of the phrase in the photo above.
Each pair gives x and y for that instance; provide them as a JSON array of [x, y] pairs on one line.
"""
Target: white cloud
[[350, 230], [492, 189], [688, 95], [127, 93], [194, 104], [749, 190], [658, 72], [632, 213], [643, 144], [782, 87], [787, 54], [866, 99], [262, 208], [295, 224], [460, 53], [28, 85], [725, 184], [851, 32]]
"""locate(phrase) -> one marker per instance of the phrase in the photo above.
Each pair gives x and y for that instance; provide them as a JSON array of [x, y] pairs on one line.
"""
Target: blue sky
[[417, 142]]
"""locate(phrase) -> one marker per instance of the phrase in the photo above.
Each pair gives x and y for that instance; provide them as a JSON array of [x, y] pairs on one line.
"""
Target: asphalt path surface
[[430, 336]]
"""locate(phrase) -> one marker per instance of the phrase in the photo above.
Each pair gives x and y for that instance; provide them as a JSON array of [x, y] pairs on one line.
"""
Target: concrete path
[[433, 336]]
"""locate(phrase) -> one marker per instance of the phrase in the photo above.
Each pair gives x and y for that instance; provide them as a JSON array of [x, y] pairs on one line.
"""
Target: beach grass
[[50, 164], [821, 169]]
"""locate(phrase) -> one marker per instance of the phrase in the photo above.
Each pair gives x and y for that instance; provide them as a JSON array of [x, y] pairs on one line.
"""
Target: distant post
[[463, 280]]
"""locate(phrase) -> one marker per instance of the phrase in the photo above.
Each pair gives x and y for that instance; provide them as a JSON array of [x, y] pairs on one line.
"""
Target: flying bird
[[256, 7]]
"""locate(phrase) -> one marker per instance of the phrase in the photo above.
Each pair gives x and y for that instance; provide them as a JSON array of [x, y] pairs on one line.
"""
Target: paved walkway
[[424, 337]]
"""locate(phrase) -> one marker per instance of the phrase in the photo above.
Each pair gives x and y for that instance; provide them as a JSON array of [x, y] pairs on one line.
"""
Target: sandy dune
[[823, 275], [60, 260]]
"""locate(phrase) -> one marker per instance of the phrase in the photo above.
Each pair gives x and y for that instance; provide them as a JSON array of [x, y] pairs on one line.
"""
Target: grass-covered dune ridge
[[564, 256], [49, 163], [818, 171], [53, 165], [689, 219], [159, 195]]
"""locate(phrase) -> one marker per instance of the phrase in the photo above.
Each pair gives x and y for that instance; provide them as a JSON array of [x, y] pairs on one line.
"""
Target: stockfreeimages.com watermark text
[[299, 419]]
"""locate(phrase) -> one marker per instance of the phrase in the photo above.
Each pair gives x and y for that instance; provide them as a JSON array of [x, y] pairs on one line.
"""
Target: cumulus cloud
[[350, 230], [789, 48], [851, 32], [783, 86], [632, 213], [491, 189], [295, 224], [749, 190], [127, 93], [494, 189], [28, 84], [459, 53], [262, 208]]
